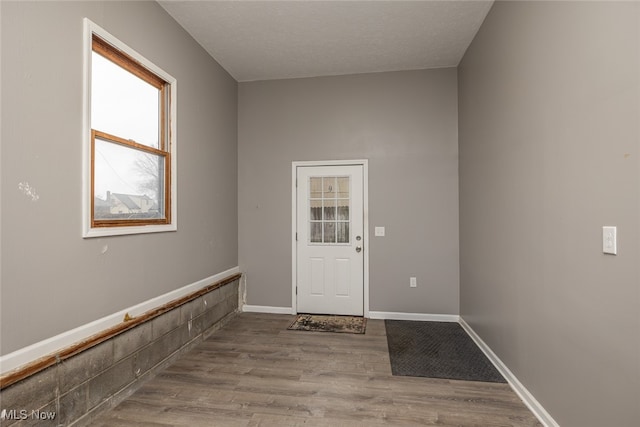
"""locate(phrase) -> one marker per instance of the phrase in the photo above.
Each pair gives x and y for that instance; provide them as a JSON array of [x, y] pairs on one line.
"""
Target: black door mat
[[323, 323], [437, 350]]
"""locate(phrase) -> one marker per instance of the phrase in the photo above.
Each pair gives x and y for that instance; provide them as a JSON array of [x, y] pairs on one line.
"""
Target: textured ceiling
[[263, 40]]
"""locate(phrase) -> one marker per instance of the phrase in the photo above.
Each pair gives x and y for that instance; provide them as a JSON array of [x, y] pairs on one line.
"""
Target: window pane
[[343, 187], [128, 183], [315, 210], [343, 232], [329, 209], [343, 209], [315, 188], [122, 104], [329, 232], [316, 232], [329, 187]]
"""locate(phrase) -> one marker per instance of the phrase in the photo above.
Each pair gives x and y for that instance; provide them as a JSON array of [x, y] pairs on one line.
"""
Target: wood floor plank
[[255, 372]]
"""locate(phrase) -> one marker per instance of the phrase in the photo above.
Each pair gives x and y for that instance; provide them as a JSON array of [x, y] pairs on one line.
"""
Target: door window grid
[[329, 202]]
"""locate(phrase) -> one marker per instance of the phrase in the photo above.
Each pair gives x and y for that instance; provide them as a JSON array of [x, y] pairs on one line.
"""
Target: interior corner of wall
[[243, 290]]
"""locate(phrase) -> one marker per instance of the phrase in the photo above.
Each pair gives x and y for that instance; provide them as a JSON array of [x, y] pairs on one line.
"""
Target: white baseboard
[[266, 309], [48, 346], [538, 410], [414, 316]]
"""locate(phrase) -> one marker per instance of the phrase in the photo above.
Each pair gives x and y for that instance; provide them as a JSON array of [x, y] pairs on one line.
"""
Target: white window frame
[[90, 28]]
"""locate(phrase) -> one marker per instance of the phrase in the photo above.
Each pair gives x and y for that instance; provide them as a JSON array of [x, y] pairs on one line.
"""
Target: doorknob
[[358, 248]]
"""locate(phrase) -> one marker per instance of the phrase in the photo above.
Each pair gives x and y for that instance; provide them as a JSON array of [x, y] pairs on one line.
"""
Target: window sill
[[121, 231]]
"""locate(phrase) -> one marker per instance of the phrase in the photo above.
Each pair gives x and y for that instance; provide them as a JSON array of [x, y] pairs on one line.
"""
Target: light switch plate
[[609, 240], [379, 232]]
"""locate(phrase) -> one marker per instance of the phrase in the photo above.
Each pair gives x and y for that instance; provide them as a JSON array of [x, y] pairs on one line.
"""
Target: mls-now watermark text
[[23, 414]]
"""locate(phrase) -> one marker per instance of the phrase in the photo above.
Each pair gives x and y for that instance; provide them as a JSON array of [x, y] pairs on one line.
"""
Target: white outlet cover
[[379, 231], [609, 240]]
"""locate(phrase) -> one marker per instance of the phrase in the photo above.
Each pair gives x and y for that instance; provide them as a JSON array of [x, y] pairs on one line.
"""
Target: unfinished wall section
[[76, 390]]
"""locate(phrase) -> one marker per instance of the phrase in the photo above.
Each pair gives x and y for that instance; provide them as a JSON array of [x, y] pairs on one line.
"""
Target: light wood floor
[[254, 372]]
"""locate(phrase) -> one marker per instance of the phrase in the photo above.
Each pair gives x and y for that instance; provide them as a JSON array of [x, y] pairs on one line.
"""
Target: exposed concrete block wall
[[77, 389]]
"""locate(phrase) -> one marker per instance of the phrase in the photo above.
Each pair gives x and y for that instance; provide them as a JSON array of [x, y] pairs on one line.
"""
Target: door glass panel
[[329, 210], [329, 232], [343, 232], [315, 210], [329, 202], [329, 187], [342, 187], [316, 232], [315, 187], [343, 209]]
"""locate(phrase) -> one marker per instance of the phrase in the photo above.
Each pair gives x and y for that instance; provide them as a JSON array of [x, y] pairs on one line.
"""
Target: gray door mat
[[437, 350]]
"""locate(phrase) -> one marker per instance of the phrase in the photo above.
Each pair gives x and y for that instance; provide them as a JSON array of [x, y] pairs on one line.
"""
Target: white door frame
[[294, 226]]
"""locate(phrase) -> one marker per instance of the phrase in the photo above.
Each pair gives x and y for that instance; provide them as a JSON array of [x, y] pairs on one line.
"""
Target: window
[[130, 148]]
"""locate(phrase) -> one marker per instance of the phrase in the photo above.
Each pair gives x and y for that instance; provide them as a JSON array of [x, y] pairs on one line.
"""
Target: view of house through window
[[130, 148]]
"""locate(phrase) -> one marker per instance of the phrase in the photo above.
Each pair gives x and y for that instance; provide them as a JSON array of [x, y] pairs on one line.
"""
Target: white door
[[330, 260]]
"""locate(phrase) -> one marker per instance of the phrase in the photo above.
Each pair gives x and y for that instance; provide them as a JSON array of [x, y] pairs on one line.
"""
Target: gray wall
[[52, 279], [549, 153], [405, 123]]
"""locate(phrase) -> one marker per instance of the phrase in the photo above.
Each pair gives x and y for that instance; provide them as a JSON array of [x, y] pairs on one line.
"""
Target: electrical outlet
[[413, 282]]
